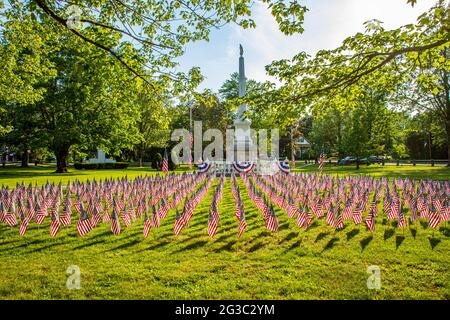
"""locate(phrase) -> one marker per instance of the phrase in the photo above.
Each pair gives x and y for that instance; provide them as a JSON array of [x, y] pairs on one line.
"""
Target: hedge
[[101, 165]]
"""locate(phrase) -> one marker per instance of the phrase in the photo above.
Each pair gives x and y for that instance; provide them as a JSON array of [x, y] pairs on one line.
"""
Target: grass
[[10, 175], [390, 171], [319, 263]]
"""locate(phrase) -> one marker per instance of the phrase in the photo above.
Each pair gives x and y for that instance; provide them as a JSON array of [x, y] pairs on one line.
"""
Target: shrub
[[156, 160], [102, 165]]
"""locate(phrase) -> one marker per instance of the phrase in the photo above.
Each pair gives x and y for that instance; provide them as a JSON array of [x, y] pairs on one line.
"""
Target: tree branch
[[62, 21]]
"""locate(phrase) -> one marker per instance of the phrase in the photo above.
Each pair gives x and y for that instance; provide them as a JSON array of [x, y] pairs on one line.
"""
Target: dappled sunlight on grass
[[291, 264]]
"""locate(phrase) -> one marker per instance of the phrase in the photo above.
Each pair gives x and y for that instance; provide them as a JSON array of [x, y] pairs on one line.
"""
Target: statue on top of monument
[[241, 50]]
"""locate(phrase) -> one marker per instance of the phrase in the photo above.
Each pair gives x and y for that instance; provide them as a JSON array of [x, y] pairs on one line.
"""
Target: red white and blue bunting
[[204, 167], [244, 167], [284, 166]]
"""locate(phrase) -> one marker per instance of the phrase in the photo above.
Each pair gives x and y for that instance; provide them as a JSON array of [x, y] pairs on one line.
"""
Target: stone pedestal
[[244, 147]]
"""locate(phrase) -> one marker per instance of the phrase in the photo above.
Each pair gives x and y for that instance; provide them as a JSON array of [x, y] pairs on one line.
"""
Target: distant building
[[101, 158], [300, 145]]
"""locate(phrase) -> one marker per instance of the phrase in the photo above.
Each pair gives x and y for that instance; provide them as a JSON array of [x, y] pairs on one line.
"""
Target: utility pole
[[292, 148]]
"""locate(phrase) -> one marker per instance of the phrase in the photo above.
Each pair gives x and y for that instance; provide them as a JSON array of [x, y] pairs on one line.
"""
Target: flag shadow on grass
[[284, 226], [126, 245], [445, 231], [434, 242], [293, 246], [46, 247], [330, 244], [424, 224], [25, 244], [227, 247], [89, 244], [365, 242], [225, 236], [314, 224], [194, 245], [352, 233], [158, 245], [255, 247], [290, 236], [322, 235], [413, 232], [388, 233], [398, 241]]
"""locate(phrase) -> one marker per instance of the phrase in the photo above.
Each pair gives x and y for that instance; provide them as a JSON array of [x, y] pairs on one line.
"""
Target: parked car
[[366, 160], [376, 159], [347, 161]]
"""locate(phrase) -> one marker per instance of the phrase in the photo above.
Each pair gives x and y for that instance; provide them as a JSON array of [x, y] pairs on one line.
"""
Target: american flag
[[83, 224], [338, 223], [321, 161], [115, 223], [54, 225], [272, 220], [125, 217], [374, 207], [330, 216], [25, 220], [41, 212], [155, 218], [95, 217], [179, 223], [401, 218], [213, 224], [188, 211], [147, 224], [10, 217], [347, 213], [435, 217], [291, 208], [395, 209], [242, 221], [370, 220], [165, 163], [67, 211], [357, 214]]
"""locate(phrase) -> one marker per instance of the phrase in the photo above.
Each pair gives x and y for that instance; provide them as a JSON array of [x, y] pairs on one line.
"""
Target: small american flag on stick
[[321, 161], [165, 163]]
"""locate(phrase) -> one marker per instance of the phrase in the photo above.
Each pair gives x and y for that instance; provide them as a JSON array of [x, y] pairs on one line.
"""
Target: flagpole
[[191, 138]]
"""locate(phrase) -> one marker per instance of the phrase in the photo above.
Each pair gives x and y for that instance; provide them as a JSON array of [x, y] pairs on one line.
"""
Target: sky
[[327, 24]]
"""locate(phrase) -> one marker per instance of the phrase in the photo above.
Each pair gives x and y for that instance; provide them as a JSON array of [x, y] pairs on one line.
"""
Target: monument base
[[244, 148]]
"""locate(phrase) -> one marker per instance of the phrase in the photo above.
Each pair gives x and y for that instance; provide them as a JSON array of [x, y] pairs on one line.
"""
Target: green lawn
[[291, 264], [391, 171]]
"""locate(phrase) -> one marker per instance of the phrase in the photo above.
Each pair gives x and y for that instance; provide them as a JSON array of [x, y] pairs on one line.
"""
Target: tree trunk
[[25, 158], [357, 163], [62, 154]]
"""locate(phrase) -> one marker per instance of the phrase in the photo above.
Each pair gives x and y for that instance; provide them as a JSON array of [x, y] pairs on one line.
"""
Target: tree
[[230, 88], [373, 53], [27, 133], [380, 59], [427, 91], [157, 31], [87, 102], [152, 123]]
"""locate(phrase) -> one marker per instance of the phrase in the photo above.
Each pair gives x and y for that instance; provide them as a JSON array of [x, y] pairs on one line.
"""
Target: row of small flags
[[270, 218], [302, 196], [213, 216], [104, 201], [316, 194], [239, 206], [182, 221]]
